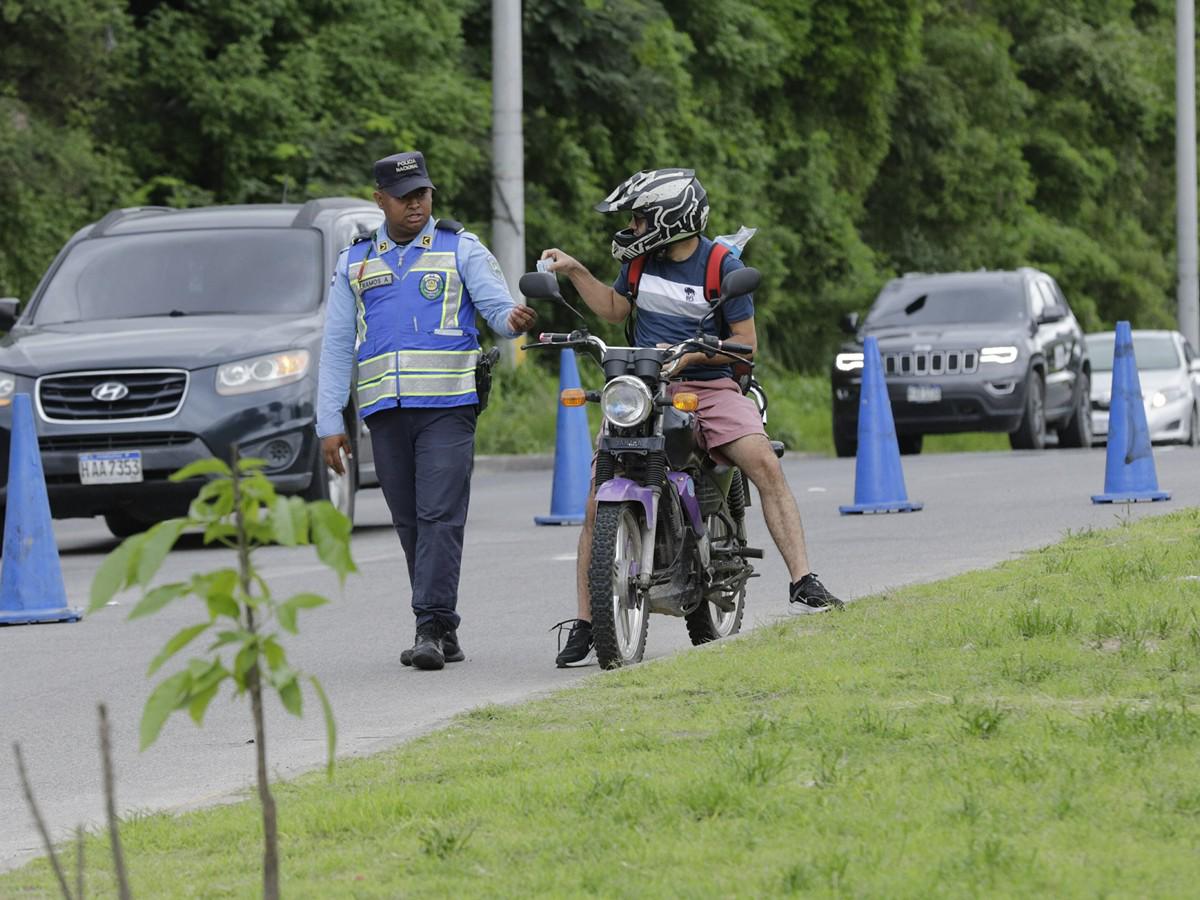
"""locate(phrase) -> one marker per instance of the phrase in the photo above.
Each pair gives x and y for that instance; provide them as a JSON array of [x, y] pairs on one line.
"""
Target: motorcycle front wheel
[[708, 622], [620, 618]]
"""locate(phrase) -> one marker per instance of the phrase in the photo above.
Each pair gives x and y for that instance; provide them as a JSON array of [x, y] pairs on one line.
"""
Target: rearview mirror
[[740, 281], [849, 322], [9, 309], [540, 286]]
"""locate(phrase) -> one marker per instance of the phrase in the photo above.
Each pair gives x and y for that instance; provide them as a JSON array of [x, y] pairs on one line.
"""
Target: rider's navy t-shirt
[[671, 303]]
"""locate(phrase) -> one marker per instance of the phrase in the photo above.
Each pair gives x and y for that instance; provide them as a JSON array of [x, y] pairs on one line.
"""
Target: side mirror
[[9, 309], [740, 281], [540, 286], [1194, 365], [1051, 314], [849, 323]]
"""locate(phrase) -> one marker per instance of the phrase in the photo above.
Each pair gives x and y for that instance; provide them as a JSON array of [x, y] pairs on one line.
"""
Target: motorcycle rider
[[669, 210]]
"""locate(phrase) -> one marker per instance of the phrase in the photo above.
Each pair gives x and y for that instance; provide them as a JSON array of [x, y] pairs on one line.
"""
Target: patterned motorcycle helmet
[[673, 203]]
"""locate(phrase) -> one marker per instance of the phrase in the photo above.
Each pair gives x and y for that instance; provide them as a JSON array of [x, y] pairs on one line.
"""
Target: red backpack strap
[[712, 271], [636, 265]]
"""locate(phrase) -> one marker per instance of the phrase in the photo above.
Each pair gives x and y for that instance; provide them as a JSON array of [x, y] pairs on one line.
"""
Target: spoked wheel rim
[[725, 622], [629, 612]]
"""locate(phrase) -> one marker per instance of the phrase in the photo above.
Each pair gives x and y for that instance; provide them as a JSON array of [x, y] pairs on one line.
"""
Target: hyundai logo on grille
[[110, 392]]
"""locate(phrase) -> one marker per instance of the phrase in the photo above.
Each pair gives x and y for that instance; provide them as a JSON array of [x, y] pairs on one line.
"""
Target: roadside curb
[[530, 462]]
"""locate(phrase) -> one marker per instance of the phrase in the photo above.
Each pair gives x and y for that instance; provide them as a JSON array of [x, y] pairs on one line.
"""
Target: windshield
[[1150, 351], [949, 305], [247, 270]]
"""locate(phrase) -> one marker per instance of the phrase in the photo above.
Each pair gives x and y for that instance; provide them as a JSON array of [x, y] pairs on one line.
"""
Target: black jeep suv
[[970, 351], [162, 336]]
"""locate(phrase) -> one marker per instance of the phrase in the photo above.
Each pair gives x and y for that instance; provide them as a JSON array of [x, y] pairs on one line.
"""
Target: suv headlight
[[848, 362], [1162, 398], [999, 355], [626, 401], [8, 386], [262, 372]]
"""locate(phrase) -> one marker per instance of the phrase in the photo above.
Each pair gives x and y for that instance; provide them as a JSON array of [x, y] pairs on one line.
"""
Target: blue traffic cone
[[1129, 475], [31, 581], [572, 454], [878, 479]]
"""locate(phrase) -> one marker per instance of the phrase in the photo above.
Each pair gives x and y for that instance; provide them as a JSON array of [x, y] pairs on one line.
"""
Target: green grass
[[523, 409], [1026, 730]]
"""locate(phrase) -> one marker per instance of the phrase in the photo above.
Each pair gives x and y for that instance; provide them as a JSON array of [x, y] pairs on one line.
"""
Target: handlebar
[[709, 344]]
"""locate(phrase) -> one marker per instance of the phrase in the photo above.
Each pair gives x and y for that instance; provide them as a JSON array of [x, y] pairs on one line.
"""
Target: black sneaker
[[451, 650], [578, 650], [427, 648], [808, 595]]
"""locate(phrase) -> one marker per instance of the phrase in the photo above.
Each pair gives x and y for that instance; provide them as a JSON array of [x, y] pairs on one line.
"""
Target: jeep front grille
[[147, 394], [930, 362]]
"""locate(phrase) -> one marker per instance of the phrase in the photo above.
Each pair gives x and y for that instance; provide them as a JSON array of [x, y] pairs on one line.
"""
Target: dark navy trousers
[[424, 457]]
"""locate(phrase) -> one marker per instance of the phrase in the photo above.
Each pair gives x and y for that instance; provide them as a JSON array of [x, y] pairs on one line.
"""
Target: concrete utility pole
[[508, 151], [1188, 292]]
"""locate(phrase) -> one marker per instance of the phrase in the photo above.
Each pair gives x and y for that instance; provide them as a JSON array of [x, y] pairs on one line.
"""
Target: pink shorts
[[724, 415]]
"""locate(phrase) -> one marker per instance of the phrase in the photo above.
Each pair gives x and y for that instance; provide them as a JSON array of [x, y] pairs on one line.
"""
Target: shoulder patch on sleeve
[[494, 265], [449, 225]]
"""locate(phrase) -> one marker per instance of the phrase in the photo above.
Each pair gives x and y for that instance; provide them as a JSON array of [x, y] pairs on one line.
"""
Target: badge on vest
[[432, 285], [375, 281]]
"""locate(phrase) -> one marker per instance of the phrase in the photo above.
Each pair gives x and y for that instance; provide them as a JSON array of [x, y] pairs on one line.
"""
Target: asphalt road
[[518, 580]]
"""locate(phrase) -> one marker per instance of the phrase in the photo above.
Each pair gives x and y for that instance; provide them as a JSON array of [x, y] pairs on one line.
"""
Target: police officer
[[408, 296]]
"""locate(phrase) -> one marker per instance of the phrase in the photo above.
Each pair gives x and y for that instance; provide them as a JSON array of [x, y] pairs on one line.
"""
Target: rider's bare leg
[[584, 557], [754, 456]]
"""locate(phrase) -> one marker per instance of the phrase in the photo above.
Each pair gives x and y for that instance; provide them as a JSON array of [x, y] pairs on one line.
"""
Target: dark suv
[[970, 351], [162, 336]]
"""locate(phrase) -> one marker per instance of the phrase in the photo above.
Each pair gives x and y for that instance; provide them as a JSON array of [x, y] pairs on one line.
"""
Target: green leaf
[[245, 661], [331, 534], [169, 696], [199, 702], [258, 487], [276, 657], [330, 725], [289, 521], [290, 696], [159, 541], [210, 466], [223, 605], [218, 530], [205, 684], [287, 610], [112, 575], [181, 639], [214, 501], [156, 599], [248, 463], [225, 638]]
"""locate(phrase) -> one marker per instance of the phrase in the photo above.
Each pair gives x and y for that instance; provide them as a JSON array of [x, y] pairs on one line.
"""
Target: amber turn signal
[[573, 397], [685, 402]]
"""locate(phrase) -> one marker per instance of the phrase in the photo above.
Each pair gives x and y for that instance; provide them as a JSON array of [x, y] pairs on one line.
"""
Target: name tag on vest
[[375, 281]]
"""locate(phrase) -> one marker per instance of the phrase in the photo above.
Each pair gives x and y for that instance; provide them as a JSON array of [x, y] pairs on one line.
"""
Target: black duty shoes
[[451, 650], [427, 652], [808, 595], [578, 650]]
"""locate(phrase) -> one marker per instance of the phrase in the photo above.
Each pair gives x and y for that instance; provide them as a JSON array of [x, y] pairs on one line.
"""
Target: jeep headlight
[[999, 355], [626, 401], [848, 362], [262, 372], [8, 386]]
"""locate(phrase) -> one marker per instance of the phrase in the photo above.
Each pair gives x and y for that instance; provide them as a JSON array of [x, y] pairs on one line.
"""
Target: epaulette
[[450, 225], [359, 238]]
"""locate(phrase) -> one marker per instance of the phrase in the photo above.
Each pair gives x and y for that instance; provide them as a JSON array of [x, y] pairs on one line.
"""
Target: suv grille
[[930, 362], [148, 394], [132, 441]]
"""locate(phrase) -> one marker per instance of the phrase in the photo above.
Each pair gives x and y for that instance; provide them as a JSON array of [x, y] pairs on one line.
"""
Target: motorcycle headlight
[[262, 372], [626, 401], [8, 386]]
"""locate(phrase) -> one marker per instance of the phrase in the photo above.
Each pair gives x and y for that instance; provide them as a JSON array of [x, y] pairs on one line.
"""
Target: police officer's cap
[[402, 172]]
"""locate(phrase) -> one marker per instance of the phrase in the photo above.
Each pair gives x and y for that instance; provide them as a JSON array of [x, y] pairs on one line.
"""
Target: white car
[[1169, 372]]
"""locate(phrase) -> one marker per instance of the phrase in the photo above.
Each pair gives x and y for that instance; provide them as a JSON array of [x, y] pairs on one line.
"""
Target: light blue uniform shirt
[[481, 276]]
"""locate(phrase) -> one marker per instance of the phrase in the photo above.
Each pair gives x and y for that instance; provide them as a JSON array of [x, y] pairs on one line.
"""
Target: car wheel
[[123, 524], [340, 490], [1031, 433], [1194, 431], [1078, 430], [844, 446], [910, 444]]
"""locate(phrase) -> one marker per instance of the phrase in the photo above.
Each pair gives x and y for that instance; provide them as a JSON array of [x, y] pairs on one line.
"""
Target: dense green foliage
[[864, 137]]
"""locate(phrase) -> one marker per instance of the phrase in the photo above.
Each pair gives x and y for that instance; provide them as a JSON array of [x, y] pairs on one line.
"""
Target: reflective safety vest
[[417, 341]]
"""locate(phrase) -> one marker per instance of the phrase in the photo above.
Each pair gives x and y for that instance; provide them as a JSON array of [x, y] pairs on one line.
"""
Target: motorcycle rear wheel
[[620, 617], [707, 622]]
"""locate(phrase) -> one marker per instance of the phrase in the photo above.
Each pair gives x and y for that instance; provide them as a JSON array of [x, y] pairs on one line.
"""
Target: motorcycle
[[670, 529]]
